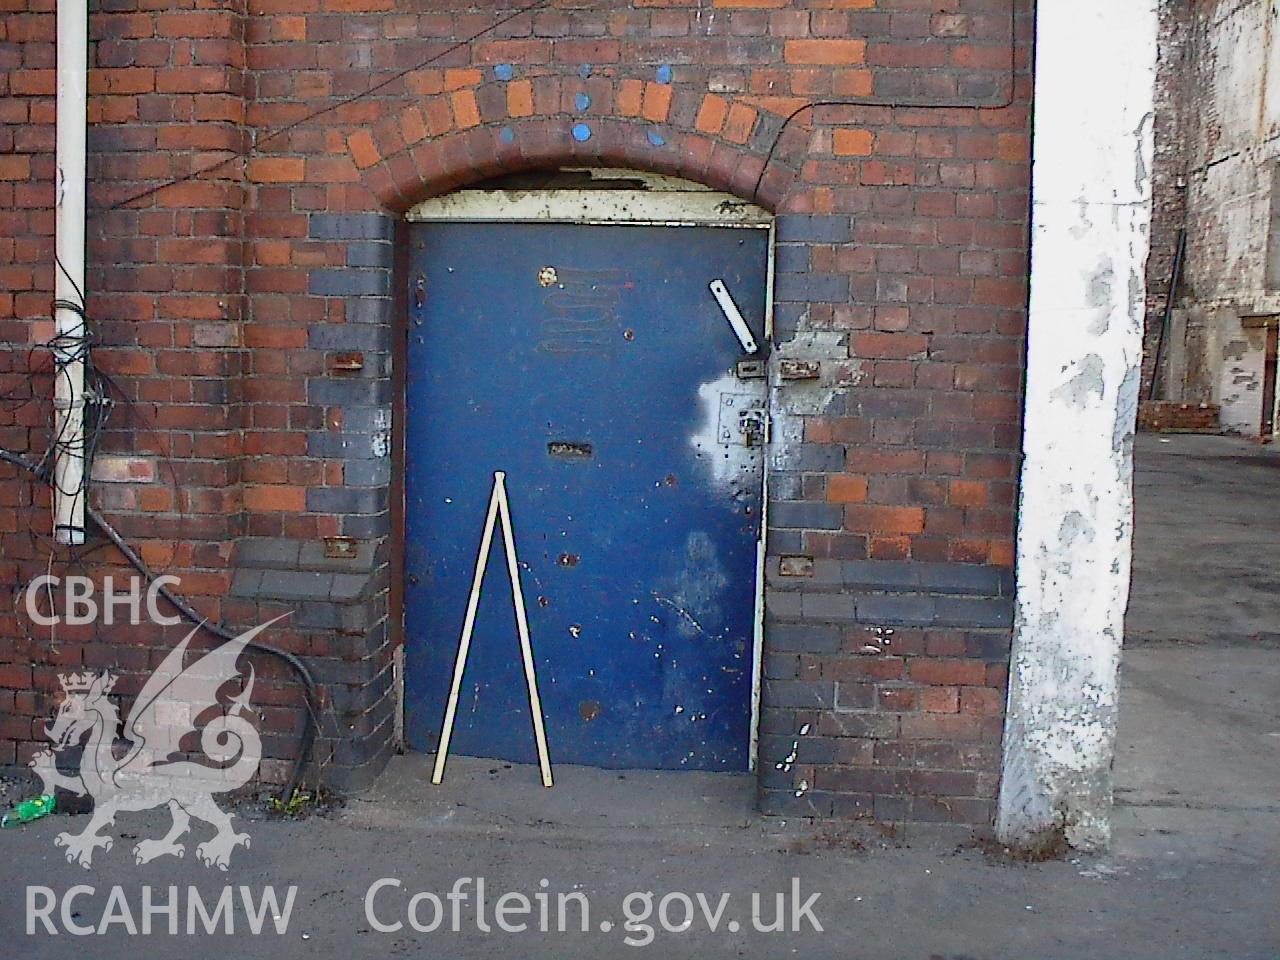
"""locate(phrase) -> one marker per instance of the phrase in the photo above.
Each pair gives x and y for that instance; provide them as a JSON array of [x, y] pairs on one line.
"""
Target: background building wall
[[1226, 98], [227, 305]]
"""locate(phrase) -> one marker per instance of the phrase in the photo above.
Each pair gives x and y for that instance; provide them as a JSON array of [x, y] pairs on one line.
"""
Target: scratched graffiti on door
[[580, 311]]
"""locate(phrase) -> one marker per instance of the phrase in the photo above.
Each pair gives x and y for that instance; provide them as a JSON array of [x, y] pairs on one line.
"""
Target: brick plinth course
[[227, 308]]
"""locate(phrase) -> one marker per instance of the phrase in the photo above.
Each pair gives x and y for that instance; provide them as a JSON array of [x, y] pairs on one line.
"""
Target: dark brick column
[[338, 585]]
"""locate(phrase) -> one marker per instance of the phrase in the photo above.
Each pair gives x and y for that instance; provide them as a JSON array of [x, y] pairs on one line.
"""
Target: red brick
[[967, 493], [412, 126], [941, 699], [15, 167], [890, 345], [982, 700], [363, 151], [846, 488], [949, 672]]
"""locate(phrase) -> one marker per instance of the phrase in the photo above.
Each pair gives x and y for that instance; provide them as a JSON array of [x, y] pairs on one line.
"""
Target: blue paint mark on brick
[[655, 138], [664, 74], [584, 71], [507, 135], [504, 71], [582, 101], [581, 132]]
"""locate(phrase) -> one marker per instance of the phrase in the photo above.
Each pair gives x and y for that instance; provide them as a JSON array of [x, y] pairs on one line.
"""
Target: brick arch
[[455, 138]]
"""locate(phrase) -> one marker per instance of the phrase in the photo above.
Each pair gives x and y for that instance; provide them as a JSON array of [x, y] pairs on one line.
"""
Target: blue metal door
[[594, 366]]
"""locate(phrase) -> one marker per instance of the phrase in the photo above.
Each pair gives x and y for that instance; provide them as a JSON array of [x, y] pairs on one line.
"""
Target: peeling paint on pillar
[[1091, 216]]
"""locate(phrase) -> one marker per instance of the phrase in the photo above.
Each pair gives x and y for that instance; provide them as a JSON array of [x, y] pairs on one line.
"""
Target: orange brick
[[782, 106], [825, 52], [751, 4], [457, 79], [520, 98], [156, 501], [873, 519], [967, 493], [1000, 554], [276, 170], [283, 499], [846, 488], [157, 553], [842, 4], [15, 167], [853, 143], [363, 151], [711, 114], [630, 98], [466, 113], [412, 127], [657, 101], [358, 6], [275, 338], [740, 123]]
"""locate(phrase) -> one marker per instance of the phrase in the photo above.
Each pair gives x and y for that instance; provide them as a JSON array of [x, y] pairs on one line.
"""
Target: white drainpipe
[[68, 398]]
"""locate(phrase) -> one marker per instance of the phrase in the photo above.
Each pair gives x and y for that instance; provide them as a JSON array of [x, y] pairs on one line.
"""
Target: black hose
[[1175, 279], [223, 633]]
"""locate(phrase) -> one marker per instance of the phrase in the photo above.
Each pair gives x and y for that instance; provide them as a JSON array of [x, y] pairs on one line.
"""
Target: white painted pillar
[[1091, 201]]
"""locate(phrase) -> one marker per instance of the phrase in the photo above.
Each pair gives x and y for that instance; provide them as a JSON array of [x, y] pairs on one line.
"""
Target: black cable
[[894, 104], [223, 633], [353, 98]]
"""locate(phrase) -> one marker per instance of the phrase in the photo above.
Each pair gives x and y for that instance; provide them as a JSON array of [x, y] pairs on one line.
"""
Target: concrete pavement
[[1193, 873]]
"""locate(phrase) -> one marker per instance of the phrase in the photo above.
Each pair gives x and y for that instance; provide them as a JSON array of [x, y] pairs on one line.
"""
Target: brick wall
[[227, 307]]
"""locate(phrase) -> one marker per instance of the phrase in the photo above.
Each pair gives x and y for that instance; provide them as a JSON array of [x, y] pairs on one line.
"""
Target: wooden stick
[[522, 625], [464, 644]]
